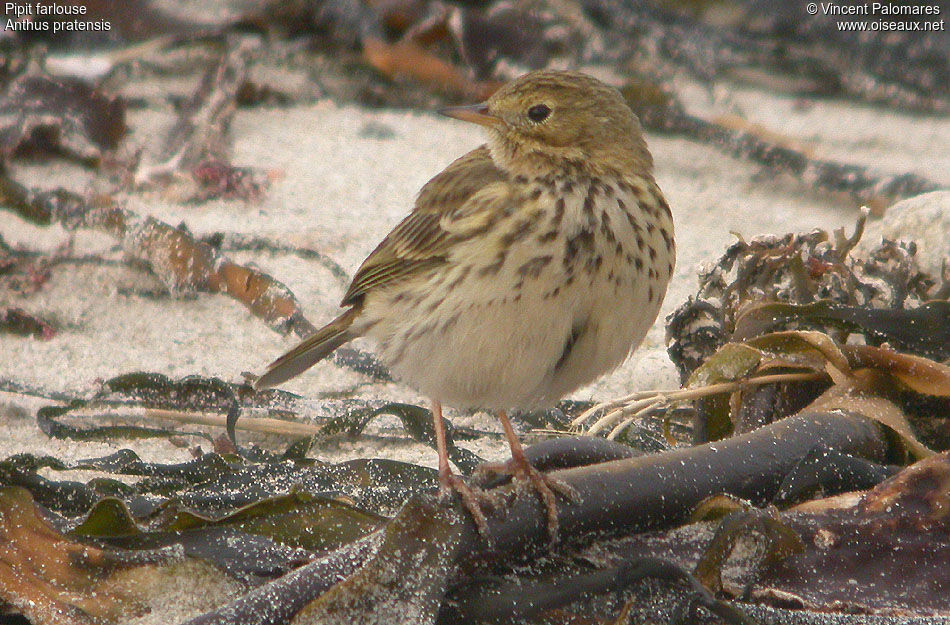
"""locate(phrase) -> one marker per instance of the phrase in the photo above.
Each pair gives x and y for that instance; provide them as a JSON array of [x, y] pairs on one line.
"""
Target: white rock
[[924, 219]]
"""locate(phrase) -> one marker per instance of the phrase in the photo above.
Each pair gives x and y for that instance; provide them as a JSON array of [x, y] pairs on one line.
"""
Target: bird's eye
[[539, 112]]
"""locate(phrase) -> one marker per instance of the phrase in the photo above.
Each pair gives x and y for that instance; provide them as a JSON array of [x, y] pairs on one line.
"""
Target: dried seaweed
[[659, 109], [778, 540], [902, 522], [216, 486], [777, 44], [616, 498], [800, 270], [51, 579], [859, 378], [438, 45], [137, 397], [23, 272], [532, 36], [905, 69], [863, 185], [213, 494], [193, 162], [20, 322], [215, 490], [890, 545], [227, 506], [297, 520], [502, 603], [178, 259], [408, 59], [142, 390], [418, 424], [60, 115], [174, 256], [742, 373], [771, 44], [899, 328], [233, 242]]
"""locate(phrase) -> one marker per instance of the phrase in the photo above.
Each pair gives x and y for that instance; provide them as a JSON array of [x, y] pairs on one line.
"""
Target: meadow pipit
[[528, 268]]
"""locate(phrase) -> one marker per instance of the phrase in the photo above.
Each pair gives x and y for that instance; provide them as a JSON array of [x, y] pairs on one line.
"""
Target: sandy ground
[[347, 176]]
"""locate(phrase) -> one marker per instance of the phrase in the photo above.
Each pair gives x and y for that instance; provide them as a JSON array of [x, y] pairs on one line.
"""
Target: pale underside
[[524, 328]]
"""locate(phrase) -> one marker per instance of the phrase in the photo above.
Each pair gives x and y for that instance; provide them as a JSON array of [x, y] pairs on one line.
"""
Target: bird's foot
[[473, 499], [542, 483]]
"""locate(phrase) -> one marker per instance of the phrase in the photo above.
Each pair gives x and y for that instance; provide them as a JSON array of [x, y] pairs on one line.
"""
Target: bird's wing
[[460, 202]]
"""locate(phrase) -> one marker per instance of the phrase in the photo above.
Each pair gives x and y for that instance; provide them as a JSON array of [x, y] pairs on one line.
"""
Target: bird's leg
[[449, 482], [519, 468]]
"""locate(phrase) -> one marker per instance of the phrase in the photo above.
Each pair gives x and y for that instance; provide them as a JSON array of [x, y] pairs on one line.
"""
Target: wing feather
[[455, 204]]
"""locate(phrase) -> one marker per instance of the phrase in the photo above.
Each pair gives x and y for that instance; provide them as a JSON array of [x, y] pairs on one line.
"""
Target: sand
[[346, 176]]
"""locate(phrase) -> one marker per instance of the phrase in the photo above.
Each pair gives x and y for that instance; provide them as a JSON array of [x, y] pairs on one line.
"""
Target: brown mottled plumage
[[528, 268]]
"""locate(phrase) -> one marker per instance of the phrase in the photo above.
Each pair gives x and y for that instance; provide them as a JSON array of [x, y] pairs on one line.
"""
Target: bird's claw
[[473, 499], [541, 483]]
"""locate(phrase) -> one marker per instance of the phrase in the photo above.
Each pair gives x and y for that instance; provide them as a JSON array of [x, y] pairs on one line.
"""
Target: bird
[[528, 268]]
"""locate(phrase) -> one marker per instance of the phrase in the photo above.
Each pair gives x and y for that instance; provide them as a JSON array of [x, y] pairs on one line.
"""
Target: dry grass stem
[[622, 412]]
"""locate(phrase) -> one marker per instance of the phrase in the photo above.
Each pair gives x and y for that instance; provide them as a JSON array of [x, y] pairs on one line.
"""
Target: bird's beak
[[475, 113]]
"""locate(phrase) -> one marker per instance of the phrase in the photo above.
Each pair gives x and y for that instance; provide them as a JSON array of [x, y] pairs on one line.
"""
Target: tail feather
[[310, 351]]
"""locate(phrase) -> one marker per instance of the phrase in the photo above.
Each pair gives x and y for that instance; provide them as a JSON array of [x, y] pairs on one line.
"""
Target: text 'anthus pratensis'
[[528, 268]]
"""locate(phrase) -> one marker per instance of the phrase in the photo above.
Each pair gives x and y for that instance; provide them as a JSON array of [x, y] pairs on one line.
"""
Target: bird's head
[[547, 121]]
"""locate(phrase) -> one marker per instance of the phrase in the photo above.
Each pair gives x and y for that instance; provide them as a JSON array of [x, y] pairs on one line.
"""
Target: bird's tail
[[310, 351]]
